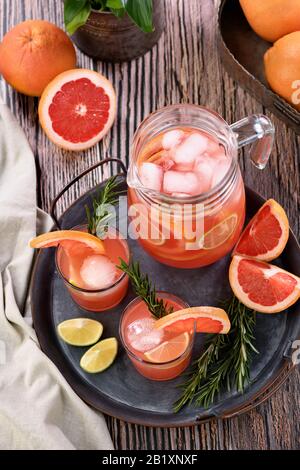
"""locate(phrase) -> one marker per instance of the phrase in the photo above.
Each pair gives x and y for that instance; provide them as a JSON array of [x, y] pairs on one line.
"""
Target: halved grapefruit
[[266, 235], [261, 286], [77, 109], [47, 240], [207, 319], [169, 350]]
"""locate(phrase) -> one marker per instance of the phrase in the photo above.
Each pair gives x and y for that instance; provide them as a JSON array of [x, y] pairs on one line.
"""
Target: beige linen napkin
[[38, 409]]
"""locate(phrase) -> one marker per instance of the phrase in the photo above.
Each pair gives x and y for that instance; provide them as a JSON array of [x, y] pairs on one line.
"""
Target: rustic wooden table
[[185, 68]]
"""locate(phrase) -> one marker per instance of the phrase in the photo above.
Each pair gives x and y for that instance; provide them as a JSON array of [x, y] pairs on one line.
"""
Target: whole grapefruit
[[33, 53], [272, 19], [282, 68]]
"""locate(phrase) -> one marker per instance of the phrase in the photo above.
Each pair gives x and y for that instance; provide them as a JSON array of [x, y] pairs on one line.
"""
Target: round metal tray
[[120, 391]]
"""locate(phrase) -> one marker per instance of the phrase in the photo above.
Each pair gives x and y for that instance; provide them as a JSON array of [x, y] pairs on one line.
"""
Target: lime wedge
[[100, 356], [80, 331]]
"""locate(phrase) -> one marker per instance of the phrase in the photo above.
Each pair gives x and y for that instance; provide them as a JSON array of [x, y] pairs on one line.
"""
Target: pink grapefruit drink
[[156, 354], [187, 168], [92, 279]]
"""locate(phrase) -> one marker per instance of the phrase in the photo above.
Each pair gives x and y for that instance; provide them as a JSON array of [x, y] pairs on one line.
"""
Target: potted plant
[[114, 30]]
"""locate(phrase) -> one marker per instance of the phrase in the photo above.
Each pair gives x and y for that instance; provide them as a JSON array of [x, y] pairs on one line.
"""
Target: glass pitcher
[[191, 228]]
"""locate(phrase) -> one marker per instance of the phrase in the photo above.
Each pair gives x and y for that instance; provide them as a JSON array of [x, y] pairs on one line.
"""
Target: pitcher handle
[[258, 131]]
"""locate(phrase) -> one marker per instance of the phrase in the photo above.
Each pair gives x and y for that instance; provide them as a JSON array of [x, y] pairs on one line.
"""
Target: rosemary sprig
[[225, 361], [99, 218], [144, 288]]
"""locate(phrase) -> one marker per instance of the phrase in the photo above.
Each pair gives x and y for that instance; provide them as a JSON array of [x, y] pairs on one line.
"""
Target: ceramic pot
[[113, 39]]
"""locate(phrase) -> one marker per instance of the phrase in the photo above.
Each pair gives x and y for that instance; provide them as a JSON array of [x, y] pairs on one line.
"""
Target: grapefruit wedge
[[207, 319], [169, 350], [47, 240], [266, 235], [261, 286], [77, 109]]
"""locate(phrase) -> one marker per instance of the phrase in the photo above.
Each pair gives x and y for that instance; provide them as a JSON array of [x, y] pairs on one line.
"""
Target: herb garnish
[[145, 289], [99, 218], [225, 361]]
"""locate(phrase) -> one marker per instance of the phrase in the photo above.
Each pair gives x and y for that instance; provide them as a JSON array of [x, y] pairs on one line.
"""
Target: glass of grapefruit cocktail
[[92, 279], [186, 193], [156, 354]]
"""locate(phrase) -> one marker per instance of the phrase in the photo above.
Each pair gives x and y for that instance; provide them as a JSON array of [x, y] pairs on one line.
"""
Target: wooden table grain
[[185, 68]]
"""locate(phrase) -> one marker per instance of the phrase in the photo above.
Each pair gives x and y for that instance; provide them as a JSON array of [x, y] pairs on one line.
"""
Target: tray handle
[[77, 178], [263, 394]]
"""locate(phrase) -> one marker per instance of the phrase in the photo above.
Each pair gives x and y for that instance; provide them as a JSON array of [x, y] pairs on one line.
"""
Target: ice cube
[[151, 176], [180, 182], [172, 139], [220, 155], [142, 336], [220, 170], [186, 153], [98, 272], [213, 146], [204, 168]]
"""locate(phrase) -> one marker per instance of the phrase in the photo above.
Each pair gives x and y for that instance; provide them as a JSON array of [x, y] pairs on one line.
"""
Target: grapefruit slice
[[266, 235], [77, 109], [217, 235], [220, 233], [47, 240], [169, 350], [262, 286], [208, 320]]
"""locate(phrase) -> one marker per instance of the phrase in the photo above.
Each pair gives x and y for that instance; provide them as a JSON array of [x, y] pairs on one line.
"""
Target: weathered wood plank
[[184, 67]]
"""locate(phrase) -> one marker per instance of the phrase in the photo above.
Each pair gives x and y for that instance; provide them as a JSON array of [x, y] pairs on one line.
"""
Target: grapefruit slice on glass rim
[[77, 109], [207, 319], [50, 239], [261, 286], [266, 235]]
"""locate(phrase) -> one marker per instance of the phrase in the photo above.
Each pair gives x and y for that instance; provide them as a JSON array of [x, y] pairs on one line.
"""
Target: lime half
[[100, 356], [80, 331]]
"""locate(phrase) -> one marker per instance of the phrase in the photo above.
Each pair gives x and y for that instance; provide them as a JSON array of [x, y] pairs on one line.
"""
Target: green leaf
[[119, 13], [141, 12], [115, 4], [76, 13]]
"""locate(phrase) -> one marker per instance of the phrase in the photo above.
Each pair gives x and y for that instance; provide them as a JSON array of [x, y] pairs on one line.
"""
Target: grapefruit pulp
[[77, 109], [207, 319], [266, 235], [261, 286]]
